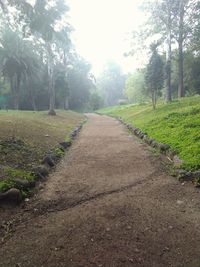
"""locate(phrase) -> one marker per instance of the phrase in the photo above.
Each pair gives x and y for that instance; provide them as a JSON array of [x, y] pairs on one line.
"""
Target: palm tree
[[12, 63]]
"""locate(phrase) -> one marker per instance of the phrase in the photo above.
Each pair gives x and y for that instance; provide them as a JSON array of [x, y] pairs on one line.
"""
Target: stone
[[12, 195], [42, 171], [73, 134], [49, 161], [150, 141], [24, 184], [136, 131], [154, 144], [145, 138], [141, 135], [66, 144], [196, 174], [177, 161], [163, 147]]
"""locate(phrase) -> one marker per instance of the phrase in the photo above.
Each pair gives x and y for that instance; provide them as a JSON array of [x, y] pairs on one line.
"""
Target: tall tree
[[154, 74], [183, 30], [45, 17], [13, 63], [111, 83], [165, 13], [135, 88]]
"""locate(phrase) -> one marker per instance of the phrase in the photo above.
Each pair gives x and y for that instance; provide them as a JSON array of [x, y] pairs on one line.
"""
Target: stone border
[[41, 172], [165, 149]]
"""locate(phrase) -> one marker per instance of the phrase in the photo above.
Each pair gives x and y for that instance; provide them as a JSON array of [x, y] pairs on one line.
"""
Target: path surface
[[110, 204]]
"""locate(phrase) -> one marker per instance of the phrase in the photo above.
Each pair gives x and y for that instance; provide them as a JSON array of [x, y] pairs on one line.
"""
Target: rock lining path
[[110, 203]]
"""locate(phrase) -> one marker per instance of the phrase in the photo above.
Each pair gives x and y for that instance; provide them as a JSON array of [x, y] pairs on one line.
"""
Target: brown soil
[[109, 204]]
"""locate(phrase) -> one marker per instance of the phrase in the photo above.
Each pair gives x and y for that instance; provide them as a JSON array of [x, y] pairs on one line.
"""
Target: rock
[[181, 174], [56, 157], [24, 184], [73, 134], [66, 144], [129, 126], [151, 141], [196, 174], [49, 161], [163, 147], [148, 140], [12, 195], [41, 171], [177, 161], [171, 153], [141, 135], [145, 138], [154, 144]]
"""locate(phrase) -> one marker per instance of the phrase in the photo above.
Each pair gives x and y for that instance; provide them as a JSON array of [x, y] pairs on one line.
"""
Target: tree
[[164, 13], [135, 88], [154, 74], [111, 83], [80, 84], [43, 20], [183, 31], [13, 63]]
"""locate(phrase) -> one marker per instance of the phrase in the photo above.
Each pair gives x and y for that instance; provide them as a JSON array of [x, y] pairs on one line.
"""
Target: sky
[[102, 31]]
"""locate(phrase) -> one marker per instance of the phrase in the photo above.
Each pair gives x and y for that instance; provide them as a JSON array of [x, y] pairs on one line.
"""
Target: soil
[[110, 203]]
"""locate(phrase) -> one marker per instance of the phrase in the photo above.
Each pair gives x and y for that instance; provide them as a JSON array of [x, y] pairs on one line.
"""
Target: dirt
[[110, 203]]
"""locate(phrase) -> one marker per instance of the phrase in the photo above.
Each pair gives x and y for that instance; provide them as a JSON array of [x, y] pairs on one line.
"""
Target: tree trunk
[[66, 106], [181, 92], [169, 51], [154, 99], [168, 62], [32, 98], [51, 81], [15, 93]]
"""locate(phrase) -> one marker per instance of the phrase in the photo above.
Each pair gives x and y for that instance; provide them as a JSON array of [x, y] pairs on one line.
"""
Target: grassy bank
[[176, 124], [26, 137]]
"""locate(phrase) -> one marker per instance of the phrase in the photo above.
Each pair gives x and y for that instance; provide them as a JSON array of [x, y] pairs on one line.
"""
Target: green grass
[[26, 137], [176, 124]]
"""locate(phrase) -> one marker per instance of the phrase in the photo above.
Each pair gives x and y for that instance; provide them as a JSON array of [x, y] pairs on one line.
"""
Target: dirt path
[[109, 204]]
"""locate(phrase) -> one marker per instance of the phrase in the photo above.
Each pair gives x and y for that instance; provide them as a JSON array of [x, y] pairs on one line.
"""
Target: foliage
[[95, 101], [80, 84], [39, 64], [19, 173], [154, 77], [176, 124], [175, 25], [111, 83], [135, 88], [6, 185]]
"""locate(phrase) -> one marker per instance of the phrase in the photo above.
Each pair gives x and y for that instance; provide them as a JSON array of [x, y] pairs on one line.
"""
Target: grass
[[176, 124], [26, 137]]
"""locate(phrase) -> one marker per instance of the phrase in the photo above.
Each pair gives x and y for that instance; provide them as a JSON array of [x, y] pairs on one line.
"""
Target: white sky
[[101, 30]]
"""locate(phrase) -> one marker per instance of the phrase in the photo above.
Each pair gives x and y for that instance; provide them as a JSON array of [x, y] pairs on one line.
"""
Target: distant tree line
[[40, 68], [172, 35]]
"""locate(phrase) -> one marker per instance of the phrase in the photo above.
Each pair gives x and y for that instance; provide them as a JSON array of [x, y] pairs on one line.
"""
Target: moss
[[21, 174], [176, 124], [6, 185], [58, 152]]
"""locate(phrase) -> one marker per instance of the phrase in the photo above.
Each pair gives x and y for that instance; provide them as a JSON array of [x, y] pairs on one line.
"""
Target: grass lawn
[[176, 124], [25, 137]]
